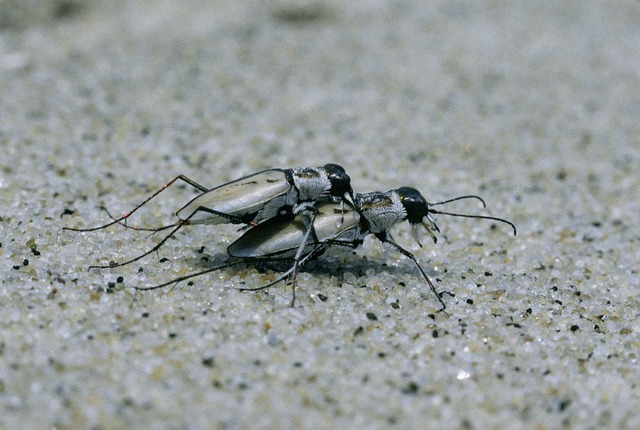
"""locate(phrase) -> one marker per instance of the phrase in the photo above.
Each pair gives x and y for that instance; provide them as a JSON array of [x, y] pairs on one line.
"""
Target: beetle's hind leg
[[123, 223], [177, 226], [123, 219]]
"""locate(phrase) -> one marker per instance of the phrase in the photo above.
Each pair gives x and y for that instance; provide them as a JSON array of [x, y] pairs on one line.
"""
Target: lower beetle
[[283, 238]]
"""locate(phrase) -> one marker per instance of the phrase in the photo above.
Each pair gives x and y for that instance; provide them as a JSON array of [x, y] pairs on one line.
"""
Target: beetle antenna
[[476, 216], [471, 196]]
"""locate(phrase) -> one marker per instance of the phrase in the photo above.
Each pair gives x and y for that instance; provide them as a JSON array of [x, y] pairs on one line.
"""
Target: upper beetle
[[264, 195], [252, 200]]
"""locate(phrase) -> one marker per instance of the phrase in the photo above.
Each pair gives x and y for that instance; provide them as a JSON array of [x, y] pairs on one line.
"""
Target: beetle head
[[340, 182], [417, 209]]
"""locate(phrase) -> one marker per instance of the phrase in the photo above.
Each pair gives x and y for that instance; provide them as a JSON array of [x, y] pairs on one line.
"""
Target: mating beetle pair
[[296, 214]]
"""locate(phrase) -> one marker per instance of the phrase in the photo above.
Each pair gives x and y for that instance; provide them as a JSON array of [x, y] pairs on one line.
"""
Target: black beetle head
[[340, 181], [414, 203], [417, 209]]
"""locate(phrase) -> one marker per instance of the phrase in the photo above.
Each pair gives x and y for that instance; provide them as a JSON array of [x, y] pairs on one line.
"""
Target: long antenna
[[471, 196], [476, 216]]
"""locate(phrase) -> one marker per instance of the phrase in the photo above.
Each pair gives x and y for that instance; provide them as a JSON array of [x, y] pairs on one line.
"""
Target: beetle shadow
[[334, 265]]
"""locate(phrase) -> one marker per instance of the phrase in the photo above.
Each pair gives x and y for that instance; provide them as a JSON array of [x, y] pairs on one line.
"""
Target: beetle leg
[[303, 244], [125, 225], [178, 225], [387, 240], [193, 275], [123, 219], [289, 272]]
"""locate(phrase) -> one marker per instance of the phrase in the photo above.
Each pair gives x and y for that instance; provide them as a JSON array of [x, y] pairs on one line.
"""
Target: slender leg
[[407, 254], [288, 273], [296, 259], [178, 226], [131, 227], [123, 219], [319, 248], [193, 275]]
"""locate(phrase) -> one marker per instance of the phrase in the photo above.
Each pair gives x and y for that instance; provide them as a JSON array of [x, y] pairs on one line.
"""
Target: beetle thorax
[[382, 210], [311, 184]]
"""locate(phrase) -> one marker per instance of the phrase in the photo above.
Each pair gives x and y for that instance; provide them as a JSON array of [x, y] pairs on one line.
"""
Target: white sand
[[532, 105]]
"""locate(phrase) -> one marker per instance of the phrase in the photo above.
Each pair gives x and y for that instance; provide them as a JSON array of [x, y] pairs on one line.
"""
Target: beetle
[[280, 238], [251, 200], [264, 195]]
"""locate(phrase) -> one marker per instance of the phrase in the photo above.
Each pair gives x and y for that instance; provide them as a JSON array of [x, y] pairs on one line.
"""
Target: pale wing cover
[[276, 237], [238, 198]]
